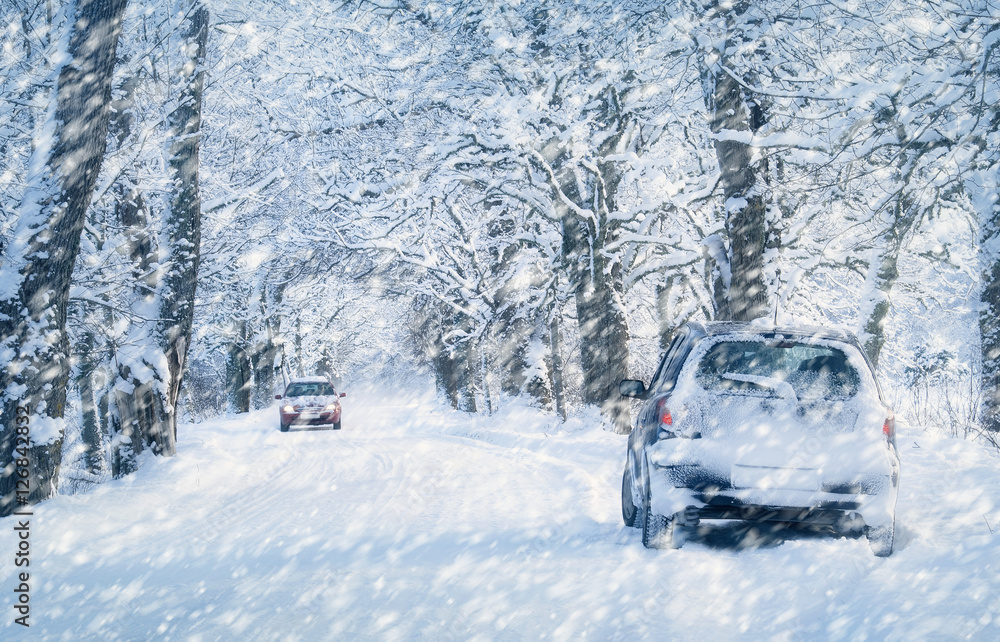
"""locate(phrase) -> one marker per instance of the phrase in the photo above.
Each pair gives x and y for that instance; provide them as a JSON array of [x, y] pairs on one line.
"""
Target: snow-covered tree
[[38, 262], [182, 222]]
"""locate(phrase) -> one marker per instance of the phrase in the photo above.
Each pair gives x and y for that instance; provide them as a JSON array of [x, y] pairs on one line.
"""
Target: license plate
[[768, 477], [309, 414]]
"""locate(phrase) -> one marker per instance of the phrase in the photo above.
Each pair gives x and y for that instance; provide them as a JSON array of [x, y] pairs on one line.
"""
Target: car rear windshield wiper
[[783, 388]]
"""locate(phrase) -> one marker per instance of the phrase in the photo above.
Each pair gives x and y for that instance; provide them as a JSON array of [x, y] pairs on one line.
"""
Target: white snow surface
[[417, 522]]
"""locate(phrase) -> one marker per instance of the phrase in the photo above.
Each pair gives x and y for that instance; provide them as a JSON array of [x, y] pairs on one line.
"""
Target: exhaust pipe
[[690, 516]]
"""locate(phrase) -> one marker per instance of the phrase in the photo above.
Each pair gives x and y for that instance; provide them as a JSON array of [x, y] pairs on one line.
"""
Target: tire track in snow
[[589, 477]]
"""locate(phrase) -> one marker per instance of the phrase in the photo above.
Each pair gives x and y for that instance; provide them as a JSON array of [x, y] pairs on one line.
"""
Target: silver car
[[743, 422], [311, 402]]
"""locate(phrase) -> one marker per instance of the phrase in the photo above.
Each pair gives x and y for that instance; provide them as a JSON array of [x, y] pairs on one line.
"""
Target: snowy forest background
[[507, 198]]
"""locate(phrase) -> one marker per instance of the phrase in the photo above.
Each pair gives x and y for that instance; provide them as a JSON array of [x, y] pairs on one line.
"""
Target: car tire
[[336, 426], [880, 539], [630, 512], [658, 531], [282, 426]]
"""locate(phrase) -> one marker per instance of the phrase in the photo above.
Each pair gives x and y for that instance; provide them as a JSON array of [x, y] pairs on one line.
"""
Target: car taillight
[[663, 413], [666, 428], [665, 419], [889, 427]]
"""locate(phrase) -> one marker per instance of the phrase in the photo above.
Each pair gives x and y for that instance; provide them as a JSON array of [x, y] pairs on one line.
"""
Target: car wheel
[[880, 539], [658, 531], [283, 426], [629, 509], [336, 426]]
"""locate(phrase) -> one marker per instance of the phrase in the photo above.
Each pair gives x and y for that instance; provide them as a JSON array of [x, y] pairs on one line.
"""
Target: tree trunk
[[136, 422], [664, 314], [455, 362], [744, 181], [882, 275], [239, 371], [444, 378], [989, 325], [584, 189], [266, 358], [557, 365], [183, 225], [511, 347], [91, 433], [475, 383], [485, 374], [34, 294], [537, 368], [459, 364], [596, 278], [520, 324], [299, 355], [454, 375], [875, 307], [129, 394], [523, 352], [600, 313], [263, 364], [93, 430]]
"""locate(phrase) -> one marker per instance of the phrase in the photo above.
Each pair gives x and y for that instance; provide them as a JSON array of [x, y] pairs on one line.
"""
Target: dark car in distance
[[309, 402], [761, 423]]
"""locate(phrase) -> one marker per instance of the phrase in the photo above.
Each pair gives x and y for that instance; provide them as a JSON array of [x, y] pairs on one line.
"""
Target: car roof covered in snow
[[799, 332]]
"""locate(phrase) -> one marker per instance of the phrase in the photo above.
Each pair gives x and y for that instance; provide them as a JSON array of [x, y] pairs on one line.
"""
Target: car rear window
[[760, 366], [311, 389]]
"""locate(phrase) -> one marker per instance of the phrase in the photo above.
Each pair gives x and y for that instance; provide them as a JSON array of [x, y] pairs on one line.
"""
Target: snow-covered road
[[415, 522]]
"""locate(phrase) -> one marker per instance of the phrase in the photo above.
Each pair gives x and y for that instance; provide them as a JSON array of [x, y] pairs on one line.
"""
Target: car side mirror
[[343, 394], [632, 388], [277, 396]]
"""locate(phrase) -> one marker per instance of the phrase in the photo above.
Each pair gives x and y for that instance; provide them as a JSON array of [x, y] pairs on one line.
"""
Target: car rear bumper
[[704, 494], [839, 518]]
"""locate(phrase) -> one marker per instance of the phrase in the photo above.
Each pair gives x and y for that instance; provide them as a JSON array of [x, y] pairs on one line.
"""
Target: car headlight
[[331, 407], [288, 409]]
